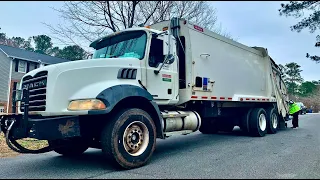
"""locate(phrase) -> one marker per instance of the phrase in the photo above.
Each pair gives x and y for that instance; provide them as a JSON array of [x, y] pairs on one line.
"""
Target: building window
[[1, 109], [22, 67]]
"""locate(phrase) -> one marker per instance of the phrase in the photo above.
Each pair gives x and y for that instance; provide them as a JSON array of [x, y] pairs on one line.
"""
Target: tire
[[208, 126], [115, 138], [258, 122], [272, 120], [245, 121], [282, 123], [72, 147]]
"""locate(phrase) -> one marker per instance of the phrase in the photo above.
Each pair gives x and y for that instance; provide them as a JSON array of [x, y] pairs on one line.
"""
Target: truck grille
[[37, 86]]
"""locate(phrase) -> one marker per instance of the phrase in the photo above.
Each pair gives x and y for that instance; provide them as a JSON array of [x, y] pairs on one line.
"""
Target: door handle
[[205, 54]]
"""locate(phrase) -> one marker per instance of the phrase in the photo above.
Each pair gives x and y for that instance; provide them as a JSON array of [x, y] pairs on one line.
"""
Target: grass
[[28, 143], [5, 151]]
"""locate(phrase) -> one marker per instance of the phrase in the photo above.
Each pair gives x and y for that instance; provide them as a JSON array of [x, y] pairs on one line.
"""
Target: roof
[[94, 43], [18, 53]]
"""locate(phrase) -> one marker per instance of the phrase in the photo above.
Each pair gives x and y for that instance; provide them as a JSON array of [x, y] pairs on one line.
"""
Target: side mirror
[[18, 95], [170, 59]]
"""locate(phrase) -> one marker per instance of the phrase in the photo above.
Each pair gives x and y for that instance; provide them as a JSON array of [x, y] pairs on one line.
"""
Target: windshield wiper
[[112, 56]]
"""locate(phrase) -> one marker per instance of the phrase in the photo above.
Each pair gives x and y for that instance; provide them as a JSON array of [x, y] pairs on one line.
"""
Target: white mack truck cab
[[172, 78]]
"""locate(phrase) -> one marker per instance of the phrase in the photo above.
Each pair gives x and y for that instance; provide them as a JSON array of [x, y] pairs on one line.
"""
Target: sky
[[252, 23]]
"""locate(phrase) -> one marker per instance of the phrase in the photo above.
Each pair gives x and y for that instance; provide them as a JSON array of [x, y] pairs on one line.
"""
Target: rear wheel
[[258, 122], [208, 126], [245, 121], [130, 138], [272, 120]]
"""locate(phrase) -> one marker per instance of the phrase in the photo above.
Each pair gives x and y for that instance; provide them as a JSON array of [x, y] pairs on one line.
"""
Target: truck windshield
[[123, 44]]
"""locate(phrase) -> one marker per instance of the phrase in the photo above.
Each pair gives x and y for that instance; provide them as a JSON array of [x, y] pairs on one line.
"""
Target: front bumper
[[41, 128]]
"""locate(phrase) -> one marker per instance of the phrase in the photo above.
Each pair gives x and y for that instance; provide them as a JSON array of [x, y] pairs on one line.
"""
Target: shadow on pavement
[[93, 160]]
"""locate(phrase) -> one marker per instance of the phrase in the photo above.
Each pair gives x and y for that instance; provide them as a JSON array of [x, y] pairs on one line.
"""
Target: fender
[[112, 95]]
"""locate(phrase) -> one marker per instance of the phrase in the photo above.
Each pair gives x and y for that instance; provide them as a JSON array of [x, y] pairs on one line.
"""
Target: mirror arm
[[164, 62]]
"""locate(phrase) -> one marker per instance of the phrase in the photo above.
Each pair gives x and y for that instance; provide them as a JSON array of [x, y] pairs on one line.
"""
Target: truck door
[[164, 85]]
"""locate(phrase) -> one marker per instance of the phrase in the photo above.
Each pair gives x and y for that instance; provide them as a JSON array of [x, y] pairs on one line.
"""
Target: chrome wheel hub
[[262, 122], [274, 120], [136, 138]]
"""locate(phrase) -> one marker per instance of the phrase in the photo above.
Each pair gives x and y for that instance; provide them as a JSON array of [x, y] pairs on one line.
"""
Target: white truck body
[[147, 83], [235, 72]]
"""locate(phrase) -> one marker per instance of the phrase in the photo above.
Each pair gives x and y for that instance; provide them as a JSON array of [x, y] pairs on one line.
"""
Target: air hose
[[15, 146]]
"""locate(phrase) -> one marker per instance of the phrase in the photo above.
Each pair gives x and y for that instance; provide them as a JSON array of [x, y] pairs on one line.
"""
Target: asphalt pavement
[[291, 153]]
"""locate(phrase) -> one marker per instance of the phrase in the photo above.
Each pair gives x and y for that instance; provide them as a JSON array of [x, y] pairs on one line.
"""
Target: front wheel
[[130, 138]]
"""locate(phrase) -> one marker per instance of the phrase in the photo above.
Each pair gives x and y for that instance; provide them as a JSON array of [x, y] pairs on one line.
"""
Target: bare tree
[[85, 21]]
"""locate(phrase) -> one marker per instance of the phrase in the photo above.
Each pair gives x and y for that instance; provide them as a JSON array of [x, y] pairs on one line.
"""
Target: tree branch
[[86, 20]]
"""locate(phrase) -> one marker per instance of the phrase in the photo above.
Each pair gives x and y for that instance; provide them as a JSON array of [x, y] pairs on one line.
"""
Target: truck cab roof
[[93, 44]]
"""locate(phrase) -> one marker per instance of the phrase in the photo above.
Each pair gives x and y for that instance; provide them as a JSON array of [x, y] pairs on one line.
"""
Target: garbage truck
[[144, 83]]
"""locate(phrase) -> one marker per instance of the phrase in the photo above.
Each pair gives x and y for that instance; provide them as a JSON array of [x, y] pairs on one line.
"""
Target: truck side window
[[182, 62], [156, 52]]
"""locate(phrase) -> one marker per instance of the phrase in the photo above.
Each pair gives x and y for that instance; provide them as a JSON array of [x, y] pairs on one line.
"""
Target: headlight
[[88, 104]]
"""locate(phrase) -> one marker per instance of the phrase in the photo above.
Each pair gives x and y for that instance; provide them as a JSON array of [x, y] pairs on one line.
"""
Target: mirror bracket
[[168, 60]]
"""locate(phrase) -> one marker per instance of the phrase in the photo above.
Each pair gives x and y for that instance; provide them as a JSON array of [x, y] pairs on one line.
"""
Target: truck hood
[[91, 63], [84, 79]]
